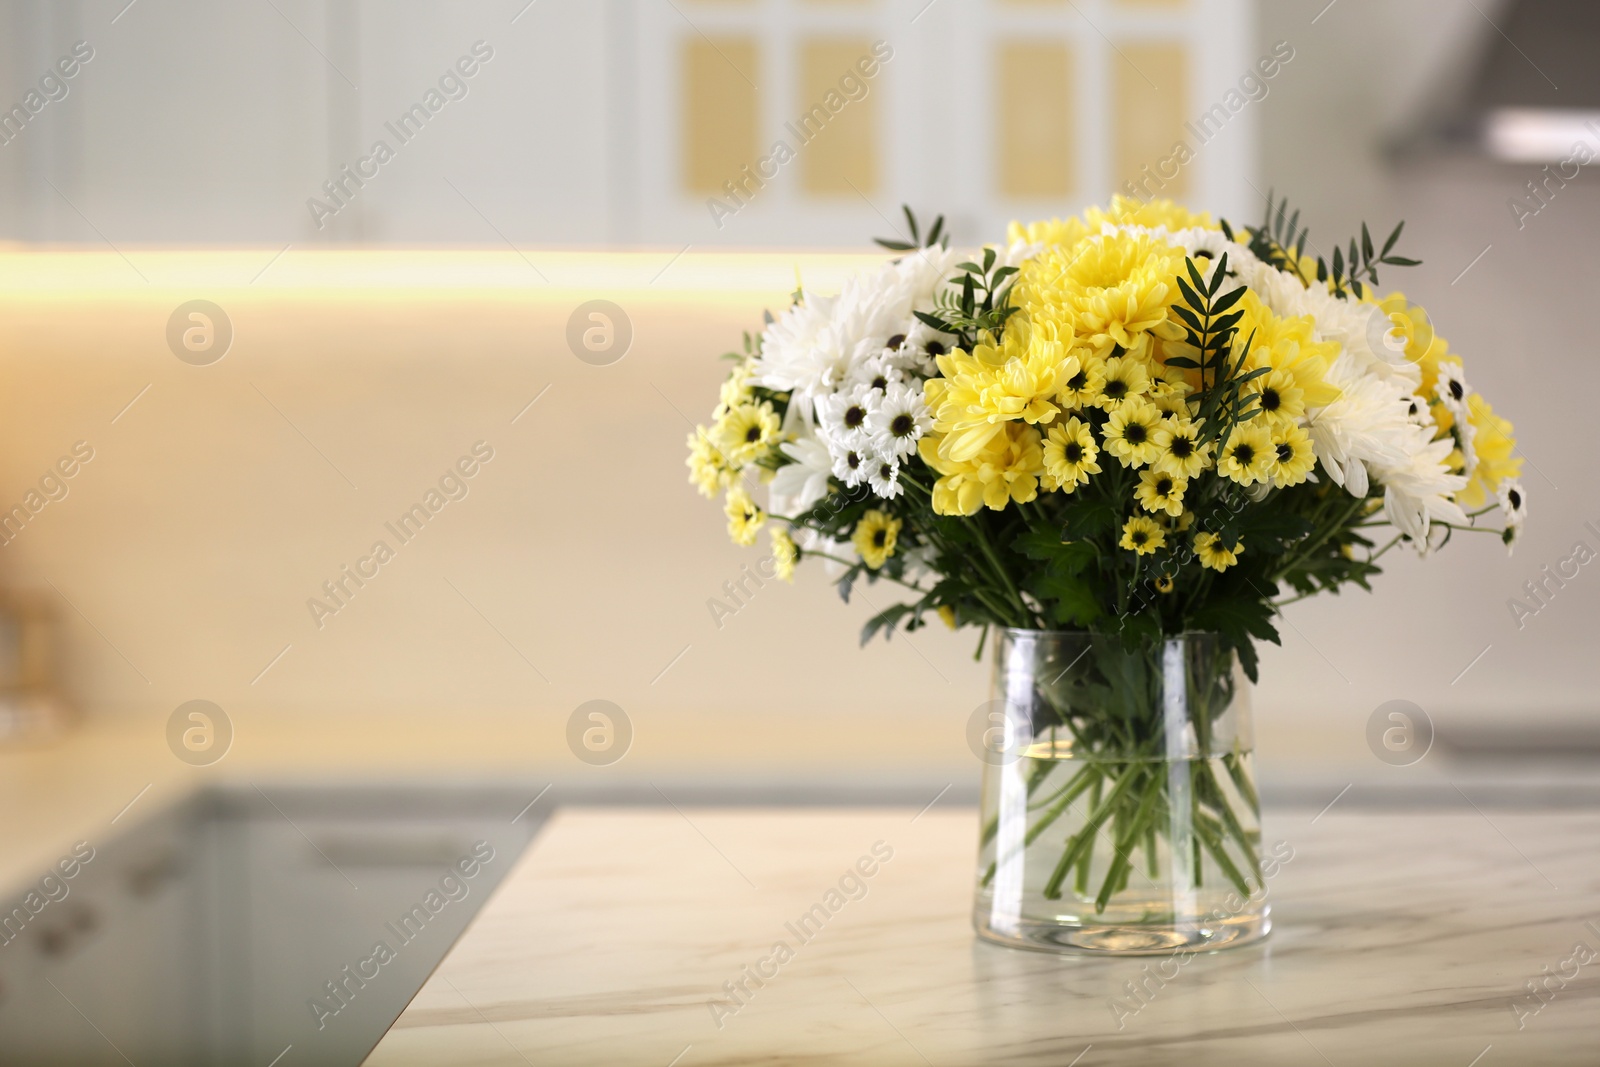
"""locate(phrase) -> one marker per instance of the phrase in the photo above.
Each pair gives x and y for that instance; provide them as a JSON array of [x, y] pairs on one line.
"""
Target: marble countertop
[[1401, 938]]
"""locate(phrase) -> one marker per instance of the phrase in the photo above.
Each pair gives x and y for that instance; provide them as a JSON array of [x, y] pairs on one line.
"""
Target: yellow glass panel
[[1150, 88], [1036, 122], [721, 111], [837, 129]]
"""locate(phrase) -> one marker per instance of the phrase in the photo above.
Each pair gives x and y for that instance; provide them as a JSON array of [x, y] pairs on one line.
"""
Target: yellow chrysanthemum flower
[[708, 467], [1141, 534], [1062, 232], [1125, 380], [785, 554], [875, 537], [1292, 454], [1007, 469], [1112, 290], [1407, 326], [1130, 433], [746, 431], [1493, 447], [1178, 448], [1131, 211], [744, 518], [1208, 547], [948, 614], [1069, 455], [1247, 457], [1159, 491], [1164, 583], [1288, 345], [1123, 211], [1017, 379]]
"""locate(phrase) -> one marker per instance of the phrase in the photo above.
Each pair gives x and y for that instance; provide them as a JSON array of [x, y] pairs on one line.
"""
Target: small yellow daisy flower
[[875, 536], [1083, 386], [1069, 455], [744, 518], [746, 431], [1178, 448], [785, 554], [1278, 395], [1160, 491], [708, 467], [1292, 455], [1125, 381], [948, 614], [1248, 456], [1142, 535], [736, 389], [1130, 432], [1164, 584], [1212, 554]]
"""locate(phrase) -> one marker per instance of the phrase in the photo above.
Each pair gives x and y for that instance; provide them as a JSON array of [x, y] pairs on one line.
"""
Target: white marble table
[[1401, 938]]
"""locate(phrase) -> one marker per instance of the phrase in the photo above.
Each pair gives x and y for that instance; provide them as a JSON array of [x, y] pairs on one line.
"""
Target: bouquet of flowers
[[1137, 424]]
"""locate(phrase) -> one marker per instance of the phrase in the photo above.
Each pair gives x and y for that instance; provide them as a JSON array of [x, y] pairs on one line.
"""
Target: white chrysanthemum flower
[[899, 420], [1421, 490], [878, 373], [1417, 411], [1452, 391], [820, 343], [1368, 423], [851, 465], [842, 418], [921, 346], [1513, 506], [799, 484], [883, 474]]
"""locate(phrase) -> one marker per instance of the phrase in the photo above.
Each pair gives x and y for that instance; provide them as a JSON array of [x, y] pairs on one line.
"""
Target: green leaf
[[1086, 518], [1073, 599], [1393, 237], [1228, 299], [884, 620], [1216, 277]]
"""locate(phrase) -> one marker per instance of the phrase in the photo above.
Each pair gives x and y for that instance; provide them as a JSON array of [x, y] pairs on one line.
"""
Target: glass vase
[[1119, 807]]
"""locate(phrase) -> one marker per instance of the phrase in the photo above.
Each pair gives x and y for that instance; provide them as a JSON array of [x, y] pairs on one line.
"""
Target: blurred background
[[381, 325], [393, 219]]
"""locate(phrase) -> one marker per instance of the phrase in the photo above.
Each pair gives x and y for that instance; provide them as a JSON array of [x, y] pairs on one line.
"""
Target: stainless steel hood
[[1527, 91]]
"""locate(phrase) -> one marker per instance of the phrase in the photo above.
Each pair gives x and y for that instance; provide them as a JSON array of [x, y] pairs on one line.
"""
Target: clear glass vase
[[1119, 810]]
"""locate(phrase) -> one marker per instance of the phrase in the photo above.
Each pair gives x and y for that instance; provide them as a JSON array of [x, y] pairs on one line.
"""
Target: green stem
[[1127, 840], [1050, 816], [1082, 841]]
